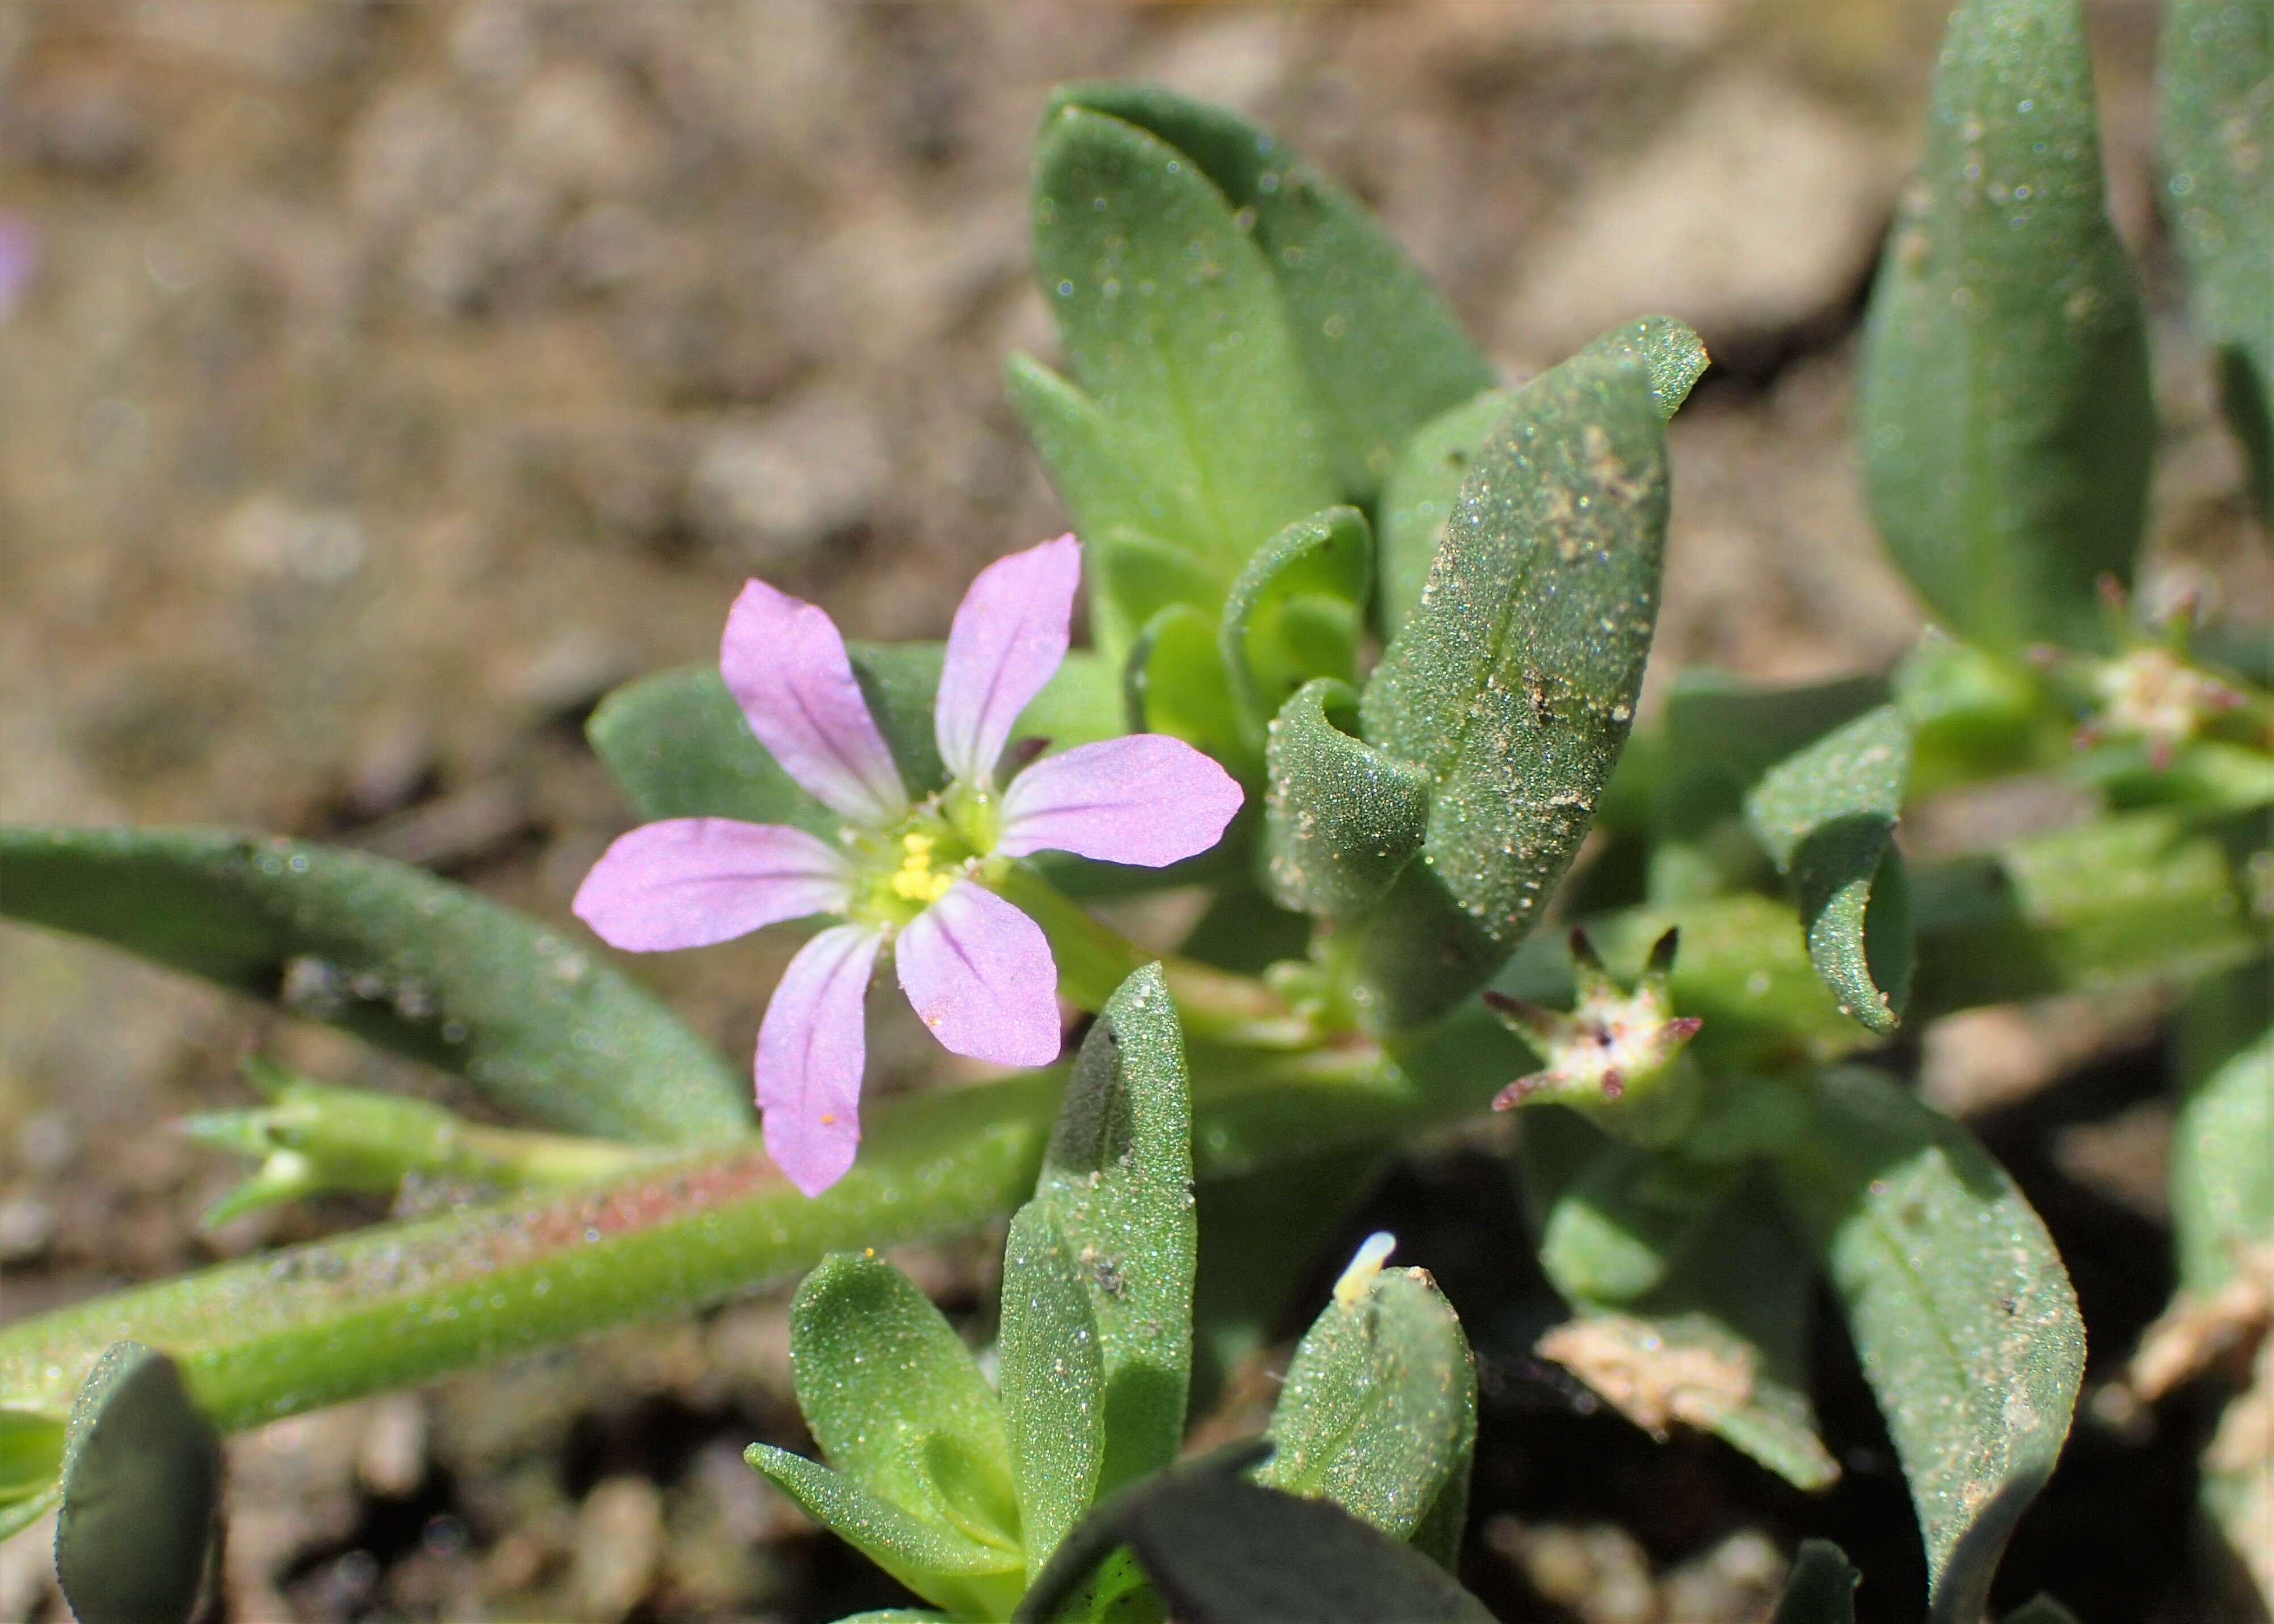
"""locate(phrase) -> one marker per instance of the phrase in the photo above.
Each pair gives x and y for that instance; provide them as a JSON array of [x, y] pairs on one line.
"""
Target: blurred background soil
[[381, 383]]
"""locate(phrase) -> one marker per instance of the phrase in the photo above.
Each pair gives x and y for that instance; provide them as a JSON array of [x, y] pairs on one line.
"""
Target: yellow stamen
[[916, 881]]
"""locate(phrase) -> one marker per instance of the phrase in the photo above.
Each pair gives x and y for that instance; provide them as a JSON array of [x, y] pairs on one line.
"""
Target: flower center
[[916, 880], [905, 870]]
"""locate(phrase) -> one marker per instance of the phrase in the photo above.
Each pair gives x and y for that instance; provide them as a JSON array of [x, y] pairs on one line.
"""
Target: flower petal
[[689, 882], [1147, 800], [811, 1047], [785, 666], [981, 976], [1009, 637]]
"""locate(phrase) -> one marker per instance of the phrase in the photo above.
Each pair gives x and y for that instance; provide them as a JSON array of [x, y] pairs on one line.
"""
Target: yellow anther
[[915, 880]]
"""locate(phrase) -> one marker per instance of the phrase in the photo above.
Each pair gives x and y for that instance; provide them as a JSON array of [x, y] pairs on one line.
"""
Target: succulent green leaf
[[141, 1480], [1093, 1564], [1173, 328], [1515, 681], [1379, 1412], [1053, 1383], [1827, 816], [1821, 1588], [1380, 350], [895, 1615], [1117, 1183], [1718, 1338], [2218, 72], [2222, 1170], [30, 1456], [1175, 683], [412, 963], [1418, 501], [2005, 416], [1107, 486], [1342, 818], [1225, 1551], [677, 746], [1260, 1234], [972, 1579], [1716, 736], [1140, 576], [892, 1397], [1297, 610], [2147, 894], [1668, 346], [1960, 1309], [1625, 1218]]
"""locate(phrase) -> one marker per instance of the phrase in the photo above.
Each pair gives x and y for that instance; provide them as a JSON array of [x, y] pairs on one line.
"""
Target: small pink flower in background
[[19, 259], [905, 875]]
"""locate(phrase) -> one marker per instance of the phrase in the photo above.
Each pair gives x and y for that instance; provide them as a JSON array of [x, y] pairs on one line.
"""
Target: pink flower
[[907, 876]]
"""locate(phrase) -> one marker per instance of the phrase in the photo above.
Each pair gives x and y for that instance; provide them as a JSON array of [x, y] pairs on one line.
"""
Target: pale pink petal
[[981, 976], [785, 666], [1008, 639], [811, 1047], [1147, 800], [692, 880]]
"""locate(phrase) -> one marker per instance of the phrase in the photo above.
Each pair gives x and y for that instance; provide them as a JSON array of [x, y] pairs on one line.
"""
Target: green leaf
[[410, 962], [677, 745], [1109, 491], [2006, 417], [1821, 1588], [1418, 501], [1382, 351], [1342, 817], [1053, 1383], [1175, 683], [30, 1452], [1076, 1571], [1379, 1412], [1223, 1551], [1960, 1309], [971, 1579], [31, 1464], [1827, 816], [1716, 736], [892, 1397], [1668, 346], [2222, 1174], [1716, 1335], [1171, 320], [2218, 74], [1117, 1183], [1141, 575], [1260, 1234], [1297, 611], [2148, 894], [1515, 681], [141, 1478], [1625, 1217], [893, 1615]]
